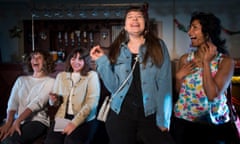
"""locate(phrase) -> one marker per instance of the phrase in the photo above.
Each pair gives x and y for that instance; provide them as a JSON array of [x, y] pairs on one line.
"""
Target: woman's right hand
[[96, 52], [53, 98], [185, 70], [4, 130]]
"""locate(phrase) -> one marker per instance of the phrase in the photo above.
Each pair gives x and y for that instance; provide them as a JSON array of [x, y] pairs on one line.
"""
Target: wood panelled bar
[[64, 35]]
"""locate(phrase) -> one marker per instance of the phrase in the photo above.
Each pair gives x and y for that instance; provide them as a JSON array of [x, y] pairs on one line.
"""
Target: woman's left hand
[[69, 129], [210, 52]]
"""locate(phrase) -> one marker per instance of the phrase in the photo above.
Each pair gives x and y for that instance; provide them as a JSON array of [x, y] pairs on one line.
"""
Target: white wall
[[160, 10], [178, 41]]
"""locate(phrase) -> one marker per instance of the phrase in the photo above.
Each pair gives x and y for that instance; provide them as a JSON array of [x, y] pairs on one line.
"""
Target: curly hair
[[211, 28], [84, 53], [48, 64]]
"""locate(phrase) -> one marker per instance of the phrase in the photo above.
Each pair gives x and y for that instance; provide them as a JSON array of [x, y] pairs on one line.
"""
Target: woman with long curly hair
[[201, 112], [27, 118]]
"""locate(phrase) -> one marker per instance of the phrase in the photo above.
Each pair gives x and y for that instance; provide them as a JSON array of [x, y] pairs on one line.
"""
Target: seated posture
[[77, 91], [26, 114]]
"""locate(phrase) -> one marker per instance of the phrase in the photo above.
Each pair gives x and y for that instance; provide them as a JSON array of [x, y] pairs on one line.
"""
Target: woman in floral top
[[201, 112]]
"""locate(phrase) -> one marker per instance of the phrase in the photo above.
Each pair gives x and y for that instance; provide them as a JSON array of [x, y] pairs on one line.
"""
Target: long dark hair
[[152, 43], [48, 64], [84, 53], [211, 28]]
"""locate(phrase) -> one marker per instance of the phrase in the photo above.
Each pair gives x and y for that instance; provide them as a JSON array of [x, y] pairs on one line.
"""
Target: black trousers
[[30, 131], [186, 132], [135, 128], [83, 134]]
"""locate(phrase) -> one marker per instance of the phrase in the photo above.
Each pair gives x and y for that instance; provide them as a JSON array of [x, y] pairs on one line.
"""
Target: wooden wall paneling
[[56, 35]]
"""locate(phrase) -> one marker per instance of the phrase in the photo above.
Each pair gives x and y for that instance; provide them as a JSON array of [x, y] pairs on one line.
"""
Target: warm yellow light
[[236, 79]]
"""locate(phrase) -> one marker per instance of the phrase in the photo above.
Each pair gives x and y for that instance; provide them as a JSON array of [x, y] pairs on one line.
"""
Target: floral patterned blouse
[[193, 104]]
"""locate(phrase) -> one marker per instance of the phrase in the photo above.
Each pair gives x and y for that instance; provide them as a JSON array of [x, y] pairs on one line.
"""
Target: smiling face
[[77, 62], [134, 23], [37, 61], [196, 35]]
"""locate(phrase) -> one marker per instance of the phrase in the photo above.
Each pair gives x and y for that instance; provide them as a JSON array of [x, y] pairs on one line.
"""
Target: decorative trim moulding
[[75, 10]]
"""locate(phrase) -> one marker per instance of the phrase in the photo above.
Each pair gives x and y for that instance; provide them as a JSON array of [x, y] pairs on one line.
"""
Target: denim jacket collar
[[142, 50]]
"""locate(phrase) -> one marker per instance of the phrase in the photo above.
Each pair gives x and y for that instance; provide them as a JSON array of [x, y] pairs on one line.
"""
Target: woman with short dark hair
[[76, 91]]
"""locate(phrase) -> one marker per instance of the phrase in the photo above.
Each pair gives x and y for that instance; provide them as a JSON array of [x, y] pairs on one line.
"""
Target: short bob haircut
[[84, 53]]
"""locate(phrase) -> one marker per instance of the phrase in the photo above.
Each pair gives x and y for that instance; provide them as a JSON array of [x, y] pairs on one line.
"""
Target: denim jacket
[[156, 82]]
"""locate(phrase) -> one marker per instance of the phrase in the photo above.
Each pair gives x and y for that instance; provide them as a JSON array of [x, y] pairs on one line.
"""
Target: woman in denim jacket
[[141, 110]]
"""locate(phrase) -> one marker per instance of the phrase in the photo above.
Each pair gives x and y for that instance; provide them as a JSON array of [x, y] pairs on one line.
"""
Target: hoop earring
[[145, 32]]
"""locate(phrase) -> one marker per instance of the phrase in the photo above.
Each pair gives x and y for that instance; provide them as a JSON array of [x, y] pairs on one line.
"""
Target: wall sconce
[[58, 14], [70, 13], [104, 35], [94, 13], [106, 13], [82, 14], [118, 13], [47, 14], [35, 15]]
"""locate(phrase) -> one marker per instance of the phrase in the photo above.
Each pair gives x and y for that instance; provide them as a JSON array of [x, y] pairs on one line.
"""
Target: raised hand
[[210, 52], [96, 52]]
